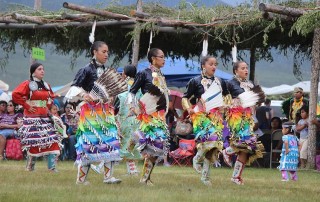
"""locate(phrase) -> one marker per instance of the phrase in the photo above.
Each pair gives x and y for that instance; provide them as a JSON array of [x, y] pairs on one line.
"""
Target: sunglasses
[[10, 106]]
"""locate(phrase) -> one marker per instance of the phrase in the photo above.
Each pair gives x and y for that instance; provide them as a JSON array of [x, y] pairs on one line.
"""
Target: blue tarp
[[180, 71]]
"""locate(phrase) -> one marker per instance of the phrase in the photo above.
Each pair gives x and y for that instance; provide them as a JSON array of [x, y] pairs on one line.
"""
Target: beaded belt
[[37, 103]]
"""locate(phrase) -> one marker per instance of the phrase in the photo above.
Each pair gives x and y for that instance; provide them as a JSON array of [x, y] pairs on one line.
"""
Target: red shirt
[[22, 93]]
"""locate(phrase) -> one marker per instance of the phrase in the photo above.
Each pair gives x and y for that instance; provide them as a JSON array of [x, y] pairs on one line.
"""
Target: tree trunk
[[136, 40], [252, 64], [312, 147]]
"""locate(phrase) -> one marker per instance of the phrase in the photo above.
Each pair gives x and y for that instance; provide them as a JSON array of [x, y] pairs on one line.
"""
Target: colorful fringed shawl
[[97, 134], [153, 134]]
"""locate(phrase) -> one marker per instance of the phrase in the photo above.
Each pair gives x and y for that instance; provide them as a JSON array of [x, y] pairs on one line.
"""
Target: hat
[[297, 89]]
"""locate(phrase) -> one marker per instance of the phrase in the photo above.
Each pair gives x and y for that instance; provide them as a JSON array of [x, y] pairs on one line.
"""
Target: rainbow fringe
[[97, 134], [204, 125], [240, 122], [153, 134]]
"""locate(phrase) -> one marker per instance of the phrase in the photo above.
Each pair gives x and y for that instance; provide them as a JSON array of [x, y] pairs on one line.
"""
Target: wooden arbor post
[[37, 5], [313, 96], [136, 40]]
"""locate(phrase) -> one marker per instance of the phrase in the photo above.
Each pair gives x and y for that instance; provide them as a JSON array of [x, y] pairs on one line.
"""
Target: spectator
[[70, 118], [302, 128], [264, 115], [266, 138], [3, 107], [292, 106], [8, 125]]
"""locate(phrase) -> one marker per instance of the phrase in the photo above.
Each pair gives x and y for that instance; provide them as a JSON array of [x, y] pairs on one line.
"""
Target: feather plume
[[252, 97], [248, 99], [91, 36], [108, 85], [258, 90], [204, 47], [234, 53], [152, 101]]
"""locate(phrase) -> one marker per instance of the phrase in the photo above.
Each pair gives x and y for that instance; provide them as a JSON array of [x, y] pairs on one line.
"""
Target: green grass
[[171, 184]]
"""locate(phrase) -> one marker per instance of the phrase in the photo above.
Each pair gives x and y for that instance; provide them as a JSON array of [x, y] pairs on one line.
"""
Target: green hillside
[[59, 72]]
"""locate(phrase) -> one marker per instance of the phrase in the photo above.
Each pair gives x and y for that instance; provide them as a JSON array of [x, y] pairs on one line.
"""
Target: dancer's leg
[[31, 161], [83, 171], [108, 174]]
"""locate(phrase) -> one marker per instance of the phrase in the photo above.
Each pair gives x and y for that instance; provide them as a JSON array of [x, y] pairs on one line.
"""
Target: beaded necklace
[[244, 83], [206, 82], [158, 79]]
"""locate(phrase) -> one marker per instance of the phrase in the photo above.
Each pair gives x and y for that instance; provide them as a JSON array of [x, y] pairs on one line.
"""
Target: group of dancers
[[139, 130]]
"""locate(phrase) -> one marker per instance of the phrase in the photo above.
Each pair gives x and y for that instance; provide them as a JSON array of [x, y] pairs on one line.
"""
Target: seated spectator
[[3, 107], [265, 139], [8, 125], [70, 118]]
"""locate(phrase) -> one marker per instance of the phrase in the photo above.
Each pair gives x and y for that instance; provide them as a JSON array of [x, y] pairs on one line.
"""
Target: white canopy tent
[[4, 86], [282, 89]]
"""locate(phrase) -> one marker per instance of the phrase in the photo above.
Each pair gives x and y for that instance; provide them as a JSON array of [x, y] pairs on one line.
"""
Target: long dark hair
[[33, 68], [236, 66], [130, 71], [94, 47], [152, 53]]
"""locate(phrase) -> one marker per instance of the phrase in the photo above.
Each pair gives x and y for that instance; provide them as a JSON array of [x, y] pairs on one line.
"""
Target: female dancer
[[97, 134], [38, 135], [128, 123], [208, 121], [153, 133], [240, 121]]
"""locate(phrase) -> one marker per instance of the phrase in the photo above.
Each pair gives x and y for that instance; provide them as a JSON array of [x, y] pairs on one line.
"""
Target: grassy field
[[171, 184]]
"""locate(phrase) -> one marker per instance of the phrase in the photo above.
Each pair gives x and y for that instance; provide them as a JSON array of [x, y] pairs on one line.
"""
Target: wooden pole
[[312, 137], [102, 13], [7, 19], [252, 63], [26, 18], [294, 12], [283, 18], [37, 5], [75, 17], [136, 40], [68, 24]]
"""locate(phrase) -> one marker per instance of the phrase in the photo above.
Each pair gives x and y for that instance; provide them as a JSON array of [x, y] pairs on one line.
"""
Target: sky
[[234, 2]]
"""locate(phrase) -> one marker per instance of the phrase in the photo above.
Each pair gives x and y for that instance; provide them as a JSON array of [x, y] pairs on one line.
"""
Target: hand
[[32, 109], [190, 111], [287, 151], [87, 98]]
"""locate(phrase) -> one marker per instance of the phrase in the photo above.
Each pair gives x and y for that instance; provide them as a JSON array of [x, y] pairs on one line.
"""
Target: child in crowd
[[290, 153], [302, 128]]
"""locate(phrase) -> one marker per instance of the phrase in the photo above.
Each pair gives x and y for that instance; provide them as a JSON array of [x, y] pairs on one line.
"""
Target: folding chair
[[184, 154], [275, 136]]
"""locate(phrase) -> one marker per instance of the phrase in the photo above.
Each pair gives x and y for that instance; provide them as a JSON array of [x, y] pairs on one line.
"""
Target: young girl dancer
[[290, 153]]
